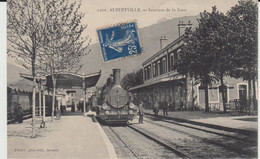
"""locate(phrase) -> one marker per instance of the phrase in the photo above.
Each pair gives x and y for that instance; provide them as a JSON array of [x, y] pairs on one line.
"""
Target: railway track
[[228, 134], [166, 145], [234, 148], [128, 147], [227, 144], [186, 140], [165, 150], [209, 126]]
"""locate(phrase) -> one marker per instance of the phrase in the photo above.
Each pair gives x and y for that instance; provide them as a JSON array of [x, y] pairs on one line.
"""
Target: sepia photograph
[[132, 79]]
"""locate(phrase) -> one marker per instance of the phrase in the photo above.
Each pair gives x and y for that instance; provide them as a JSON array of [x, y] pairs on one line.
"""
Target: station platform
[[73, 136], [230, 121]]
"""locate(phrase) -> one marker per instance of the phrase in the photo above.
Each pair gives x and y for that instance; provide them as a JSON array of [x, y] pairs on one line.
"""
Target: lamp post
[[161, 39], [84, 94]]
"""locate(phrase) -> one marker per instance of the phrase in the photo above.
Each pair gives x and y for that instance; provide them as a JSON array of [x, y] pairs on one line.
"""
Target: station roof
[[68, 80], [159, 80]]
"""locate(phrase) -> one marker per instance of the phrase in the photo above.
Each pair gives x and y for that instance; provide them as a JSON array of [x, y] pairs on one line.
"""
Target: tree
[[64, 44], [45, 37], [25, 30], [203, 56], [221, 49], [132, 79], [243, 28]]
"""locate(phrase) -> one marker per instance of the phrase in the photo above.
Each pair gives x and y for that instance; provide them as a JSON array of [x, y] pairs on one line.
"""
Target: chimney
[[116, 76]]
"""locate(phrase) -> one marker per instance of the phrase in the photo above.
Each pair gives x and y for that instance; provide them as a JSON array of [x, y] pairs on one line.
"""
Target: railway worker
[[18, 111], [165, 108], [57, 113], [73, 106], [81, 105], [156, 108], [141, 112]]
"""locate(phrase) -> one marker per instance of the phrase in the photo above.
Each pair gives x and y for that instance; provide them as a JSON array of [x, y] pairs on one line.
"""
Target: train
[[114, 104], [23, 98]]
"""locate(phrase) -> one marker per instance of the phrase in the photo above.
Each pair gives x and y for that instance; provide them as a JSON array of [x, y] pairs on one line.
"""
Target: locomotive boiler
[[115, 104]]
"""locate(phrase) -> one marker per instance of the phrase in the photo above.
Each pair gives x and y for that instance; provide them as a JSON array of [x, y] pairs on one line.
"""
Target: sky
[[99, 14]]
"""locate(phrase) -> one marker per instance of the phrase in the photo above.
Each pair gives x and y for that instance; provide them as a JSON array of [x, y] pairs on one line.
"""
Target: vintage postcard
[[132, 79]]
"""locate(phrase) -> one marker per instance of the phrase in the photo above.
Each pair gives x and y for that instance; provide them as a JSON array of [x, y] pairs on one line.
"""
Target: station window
[[171, 61], [154, 70], [242, 92], [177, 54], [158, 68], [148, 72], [163, 65], [145, 73]]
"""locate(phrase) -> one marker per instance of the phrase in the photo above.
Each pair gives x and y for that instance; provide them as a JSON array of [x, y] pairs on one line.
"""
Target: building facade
[[163, 84]]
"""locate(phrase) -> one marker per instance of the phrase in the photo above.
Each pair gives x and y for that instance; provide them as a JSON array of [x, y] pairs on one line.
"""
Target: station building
[[163, 84]]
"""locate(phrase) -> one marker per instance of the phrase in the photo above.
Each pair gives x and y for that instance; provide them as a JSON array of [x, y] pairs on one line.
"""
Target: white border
[[3, 82]]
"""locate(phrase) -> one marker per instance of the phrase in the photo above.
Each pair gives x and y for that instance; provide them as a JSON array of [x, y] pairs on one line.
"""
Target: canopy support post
[[84, 95]]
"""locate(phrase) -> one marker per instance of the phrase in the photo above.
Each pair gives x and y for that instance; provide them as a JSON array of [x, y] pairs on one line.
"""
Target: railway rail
[[166, 150], [187, 140], [129, 148], [230, 144], [224, 133], [216, 127], [231, 147], [150, 136]]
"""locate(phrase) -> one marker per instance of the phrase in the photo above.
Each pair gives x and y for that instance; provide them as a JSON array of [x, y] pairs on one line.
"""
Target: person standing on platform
[[141, 112], [81, 105], [72, 106], [18, 113], [165, 108], [156, 109]]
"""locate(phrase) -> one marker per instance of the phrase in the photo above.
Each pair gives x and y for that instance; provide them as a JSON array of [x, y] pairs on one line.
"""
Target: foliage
[[203, 56], [64, 44], [204, 52], [243, 28], [221, 45], [132, 79], [46, 37], [105, 89], [24, 36], [50, 32], [25, 30]]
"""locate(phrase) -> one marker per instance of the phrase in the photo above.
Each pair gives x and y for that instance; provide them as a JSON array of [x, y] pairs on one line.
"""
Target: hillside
[[14, 80]]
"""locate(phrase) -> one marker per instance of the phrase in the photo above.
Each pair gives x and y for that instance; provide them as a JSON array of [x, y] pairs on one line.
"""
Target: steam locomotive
[[114, 104]]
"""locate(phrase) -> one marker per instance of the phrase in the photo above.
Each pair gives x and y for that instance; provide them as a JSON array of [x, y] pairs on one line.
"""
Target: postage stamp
[[119, 41]]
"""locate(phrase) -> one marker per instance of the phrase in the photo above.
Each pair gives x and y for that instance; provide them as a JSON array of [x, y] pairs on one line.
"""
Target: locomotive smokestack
[[116, 76]]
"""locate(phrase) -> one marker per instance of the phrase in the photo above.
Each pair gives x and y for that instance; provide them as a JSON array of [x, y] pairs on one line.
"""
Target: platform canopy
[[68, 80]]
